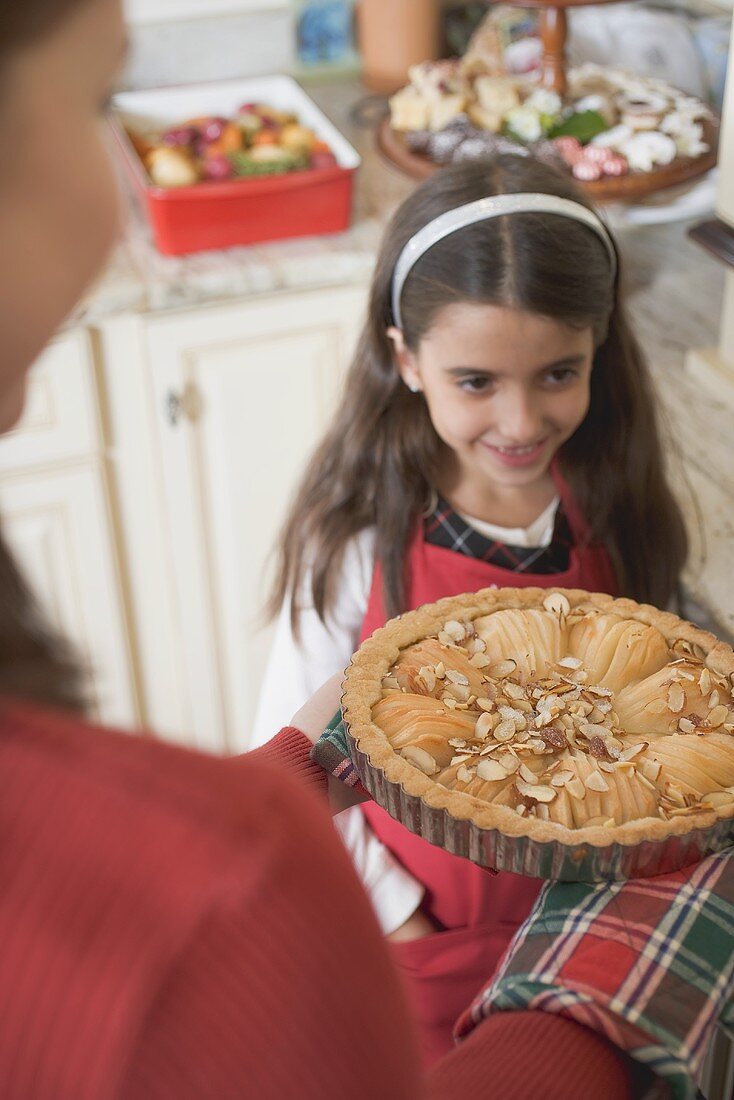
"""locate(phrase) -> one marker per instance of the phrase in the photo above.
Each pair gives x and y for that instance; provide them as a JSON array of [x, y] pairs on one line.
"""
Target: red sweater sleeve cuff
[[527, 1054], [291, 750]]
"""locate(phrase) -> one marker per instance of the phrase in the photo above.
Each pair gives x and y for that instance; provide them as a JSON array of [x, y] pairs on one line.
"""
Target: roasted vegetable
[[266, 160], [169, 167]]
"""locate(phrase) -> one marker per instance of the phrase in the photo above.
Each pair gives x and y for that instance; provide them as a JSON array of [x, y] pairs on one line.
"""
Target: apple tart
[[551, 717]]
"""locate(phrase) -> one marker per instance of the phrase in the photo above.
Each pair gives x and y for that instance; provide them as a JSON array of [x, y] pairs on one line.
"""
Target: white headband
[[482, 210]]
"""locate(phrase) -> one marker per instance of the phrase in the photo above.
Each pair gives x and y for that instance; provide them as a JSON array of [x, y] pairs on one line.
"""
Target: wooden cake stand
[[628, 188]]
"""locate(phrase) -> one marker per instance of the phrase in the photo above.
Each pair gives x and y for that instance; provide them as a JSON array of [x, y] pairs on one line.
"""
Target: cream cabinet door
[[243, 394], [57, 519], [57, 526]]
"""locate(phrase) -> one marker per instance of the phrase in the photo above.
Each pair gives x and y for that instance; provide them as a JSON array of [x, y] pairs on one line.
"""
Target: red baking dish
[[239, 211]]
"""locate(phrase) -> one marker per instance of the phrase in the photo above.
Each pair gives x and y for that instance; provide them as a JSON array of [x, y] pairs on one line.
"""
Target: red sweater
[[177, 927]]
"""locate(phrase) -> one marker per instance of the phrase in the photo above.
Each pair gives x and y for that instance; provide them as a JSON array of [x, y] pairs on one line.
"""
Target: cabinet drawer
[[60, 419]]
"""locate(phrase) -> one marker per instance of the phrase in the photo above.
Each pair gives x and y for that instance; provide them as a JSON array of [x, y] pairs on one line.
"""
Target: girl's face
[[504, 389], [58, 198]]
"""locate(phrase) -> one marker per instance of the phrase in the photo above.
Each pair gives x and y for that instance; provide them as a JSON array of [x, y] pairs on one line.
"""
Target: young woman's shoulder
[[145, 866]]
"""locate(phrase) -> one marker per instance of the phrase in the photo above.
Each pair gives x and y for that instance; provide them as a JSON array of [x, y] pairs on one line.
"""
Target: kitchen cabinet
[[56, 518], [212, 414]]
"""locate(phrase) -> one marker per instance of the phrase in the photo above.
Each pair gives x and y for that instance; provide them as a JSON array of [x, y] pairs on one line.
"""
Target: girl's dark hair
[[35, 663], [379, 460]]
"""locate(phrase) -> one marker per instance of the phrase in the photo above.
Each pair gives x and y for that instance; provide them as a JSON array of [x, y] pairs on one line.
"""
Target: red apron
[[480, 911]]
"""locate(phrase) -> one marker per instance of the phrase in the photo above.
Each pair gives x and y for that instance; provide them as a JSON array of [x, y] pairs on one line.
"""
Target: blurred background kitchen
[[171, 418]]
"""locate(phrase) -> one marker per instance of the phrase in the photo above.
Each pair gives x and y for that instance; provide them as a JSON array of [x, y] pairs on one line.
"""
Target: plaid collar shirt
[[446, 528]]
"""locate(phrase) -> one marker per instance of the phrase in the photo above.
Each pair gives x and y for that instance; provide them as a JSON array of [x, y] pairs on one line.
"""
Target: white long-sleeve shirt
[[297, 667]]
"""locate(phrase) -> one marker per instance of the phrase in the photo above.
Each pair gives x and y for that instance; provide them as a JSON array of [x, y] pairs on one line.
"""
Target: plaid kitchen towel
[[649, 963]]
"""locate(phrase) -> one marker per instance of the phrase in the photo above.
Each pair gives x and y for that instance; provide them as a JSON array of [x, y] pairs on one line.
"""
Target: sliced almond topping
[[456, 677], [676, 698], [557, 604], [505, 731], [718, 716], [457, 742], [484, 725], [714, 699], [476, 645], [427, 677], [605, 766], [420, 759], [633, 751], [479, 660], [444, 638], [485, 704], [464, 775], [509, 762], [390, 683], [718, 799], [514, 691], [521, 809], [685, 725], [560, 779], [590, 729], [646, 782], [675, 794], [596, 782], [528, 775], [597, 689], [704, 681], [500, 669], [440, 671], [455, 630], [449, 700], [539, 793], [570, 662], [576, 788], [491, 770]]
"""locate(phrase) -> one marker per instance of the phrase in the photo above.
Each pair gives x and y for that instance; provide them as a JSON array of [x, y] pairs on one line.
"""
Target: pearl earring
[[414, 387]]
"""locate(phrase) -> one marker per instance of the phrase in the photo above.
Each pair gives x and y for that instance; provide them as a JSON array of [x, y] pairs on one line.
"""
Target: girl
[[497, 427]]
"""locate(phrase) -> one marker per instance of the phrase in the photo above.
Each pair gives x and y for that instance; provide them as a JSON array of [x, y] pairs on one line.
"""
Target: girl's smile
[[504, 389], [519, 456]]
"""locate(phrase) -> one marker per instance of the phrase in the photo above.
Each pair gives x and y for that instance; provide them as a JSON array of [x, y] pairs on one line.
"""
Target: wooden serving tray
[[629, 188]]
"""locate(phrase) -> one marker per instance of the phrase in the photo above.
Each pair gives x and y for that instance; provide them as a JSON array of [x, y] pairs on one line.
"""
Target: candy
[[586, 171], [615, 166]]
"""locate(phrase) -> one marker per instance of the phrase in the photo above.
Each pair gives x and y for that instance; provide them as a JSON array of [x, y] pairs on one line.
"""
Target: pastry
[[555, 715]]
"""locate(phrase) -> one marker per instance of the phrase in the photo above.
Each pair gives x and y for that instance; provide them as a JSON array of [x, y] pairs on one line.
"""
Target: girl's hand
[[315, 715], [312, 719]]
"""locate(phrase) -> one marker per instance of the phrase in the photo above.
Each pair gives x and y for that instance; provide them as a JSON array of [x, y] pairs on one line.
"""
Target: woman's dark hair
[[35, 663], [381, 457], [28, 21]]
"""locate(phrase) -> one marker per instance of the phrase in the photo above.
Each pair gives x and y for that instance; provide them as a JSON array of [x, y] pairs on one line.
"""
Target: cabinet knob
[[185, 404]]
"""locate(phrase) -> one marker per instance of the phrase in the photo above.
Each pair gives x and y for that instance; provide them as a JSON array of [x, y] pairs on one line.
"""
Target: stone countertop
[[140, 278], [674, 292]]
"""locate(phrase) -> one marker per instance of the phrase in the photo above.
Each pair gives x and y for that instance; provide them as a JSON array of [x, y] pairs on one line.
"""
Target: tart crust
[[374, 660]]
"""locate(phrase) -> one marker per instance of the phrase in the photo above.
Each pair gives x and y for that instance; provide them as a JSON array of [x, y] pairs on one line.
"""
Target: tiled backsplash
[[230, 46]]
